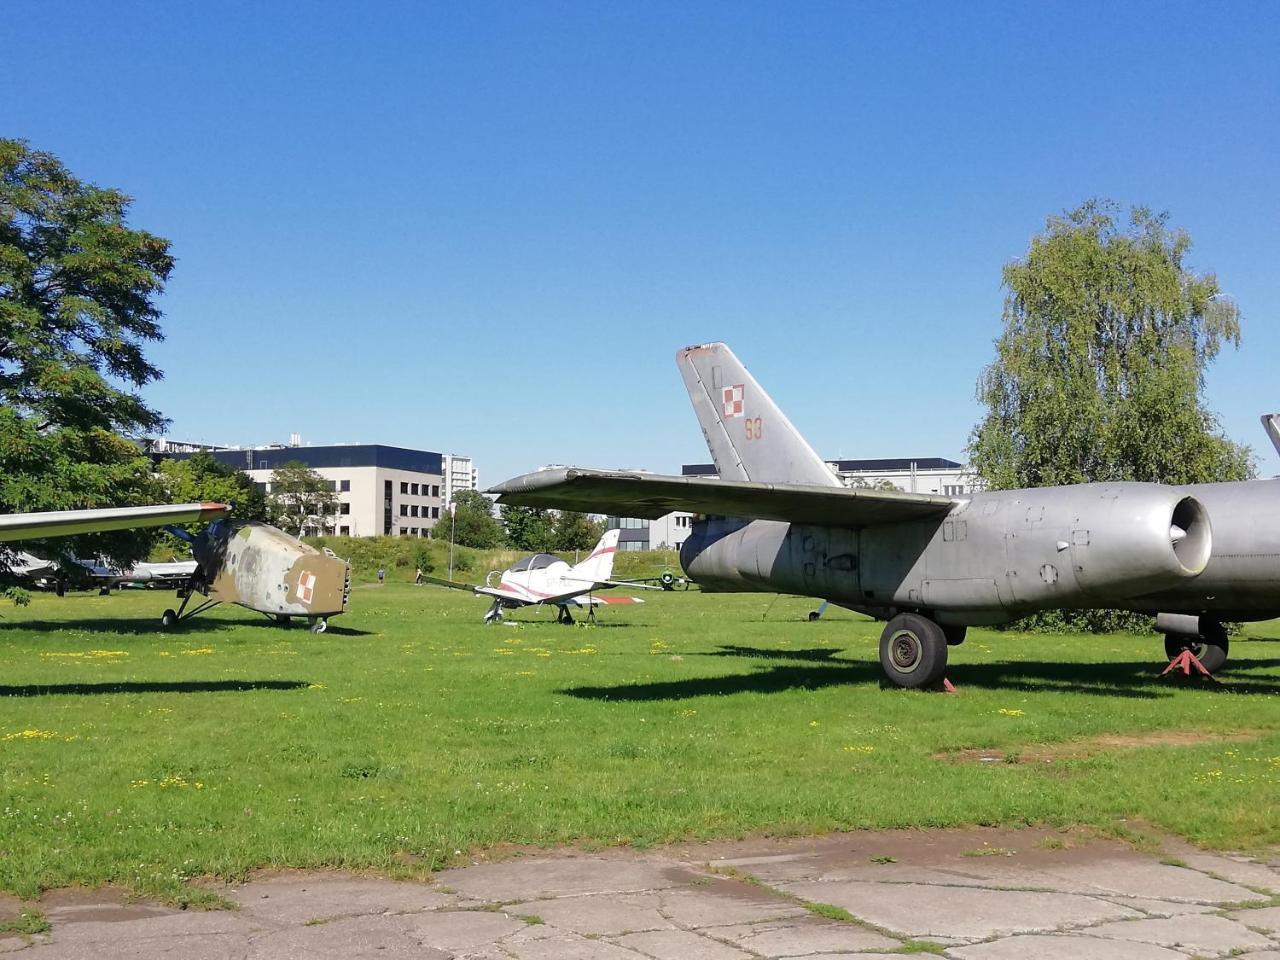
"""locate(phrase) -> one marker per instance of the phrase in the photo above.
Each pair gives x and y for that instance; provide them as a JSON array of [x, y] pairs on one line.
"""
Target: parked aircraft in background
[[546, 579], [52, 575], [243, 562], [778, 520]]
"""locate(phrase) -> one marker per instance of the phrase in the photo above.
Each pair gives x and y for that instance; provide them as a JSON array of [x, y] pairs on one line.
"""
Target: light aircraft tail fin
[[1271, 424], [749, 437], [598, 566]]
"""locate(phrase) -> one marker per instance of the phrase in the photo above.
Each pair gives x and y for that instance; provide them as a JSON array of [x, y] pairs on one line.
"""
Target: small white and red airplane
[[546, 579]]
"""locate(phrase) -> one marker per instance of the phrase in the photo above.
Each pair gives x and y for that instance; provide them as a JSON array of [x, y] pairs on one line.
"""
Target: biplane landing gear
[[494, 614], [913, 651], [319, 624]]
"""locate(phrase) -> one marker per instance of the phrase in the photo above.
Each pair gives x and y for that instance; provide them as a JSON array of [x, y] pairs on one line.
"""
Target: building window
[[413, 511], [435, 490], [344, 509], [404, 509], [386, 506], [344, 486], [413, 488], [435, 513], [404, 486], [413, 531], [953, 491], [344, 531]]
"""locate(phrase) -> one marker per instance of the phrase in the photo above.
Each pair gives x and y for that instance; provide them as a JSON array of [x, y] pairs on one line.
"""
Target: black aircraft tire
[[955, 635], [168, 619], [913, 651], [1211, 650]]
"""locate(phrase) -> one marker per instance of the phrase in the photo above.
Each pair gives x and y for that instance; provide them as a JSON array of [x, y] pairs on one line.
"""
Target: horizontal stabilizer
[[65, 523], [651, 496]]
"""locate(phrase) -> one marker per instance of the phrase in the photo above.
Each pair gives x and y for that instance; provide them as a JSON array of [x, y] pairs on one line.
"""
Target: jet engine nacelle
[[996, 556]]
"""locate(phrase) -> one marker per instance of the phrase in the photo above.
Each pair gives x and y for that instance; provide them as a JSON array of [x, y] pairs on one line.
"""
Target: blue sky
[[487, 227]]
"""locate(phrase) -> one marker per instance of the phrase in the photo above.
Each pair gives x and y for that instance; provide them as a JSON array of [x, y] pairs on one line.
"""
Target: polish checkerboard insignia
[[306, 587], [733, 401]]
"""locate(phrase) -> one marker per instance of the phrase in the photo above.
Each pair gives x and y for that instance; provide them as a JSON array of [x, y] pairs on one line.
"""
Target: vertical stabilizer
[[748, 436], [1271, 424], [598, 567]]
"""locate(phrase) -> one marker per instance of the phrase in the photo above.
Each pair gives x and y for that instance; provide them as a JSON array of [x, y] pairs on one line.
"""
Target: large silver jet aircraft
[[778, 520]]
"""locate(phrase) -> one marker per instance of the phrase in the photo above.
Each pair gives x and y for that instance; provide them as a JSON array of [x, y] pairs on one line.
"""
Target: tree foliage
[[77, 307], [531, 529], [575, 531], [1099, 370], [473, 523], [202, 478], [301, 501]]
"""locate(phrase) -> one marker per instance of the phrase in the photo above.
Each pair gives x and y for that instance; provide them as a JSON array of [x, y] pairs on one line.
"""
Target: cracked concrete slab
[[1262, 918], [1202, 935], [1064, 948], [967, 891], [806, 935], [919, 910]]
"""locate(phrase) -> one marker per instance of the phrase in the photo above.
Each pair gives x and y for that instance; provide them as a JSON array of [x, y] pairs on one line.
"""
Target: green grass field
[[410, 732]]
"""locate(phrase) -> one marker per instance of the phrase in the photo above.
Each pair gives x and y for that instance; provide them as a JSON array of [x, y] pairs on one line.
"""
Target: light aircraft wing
[[451, 584], [651, 496], [62, 523]]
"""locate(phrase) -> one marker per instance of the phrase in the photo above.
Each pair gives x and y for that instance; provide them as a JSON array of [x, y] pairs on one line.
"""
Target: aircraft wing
[[651, 496], [62, 523], [451, 584]]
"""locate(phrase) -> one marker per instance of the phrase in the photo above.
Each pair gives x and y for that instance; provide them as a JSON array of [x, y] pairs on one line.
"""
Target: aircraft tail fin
[[748, 436], [1271, 424], [599, 563]]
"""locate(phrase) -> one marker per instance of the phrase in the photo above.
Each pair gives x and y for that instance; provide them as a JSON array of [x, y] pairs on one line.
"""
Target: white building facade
[[381, 490], [459, 473]]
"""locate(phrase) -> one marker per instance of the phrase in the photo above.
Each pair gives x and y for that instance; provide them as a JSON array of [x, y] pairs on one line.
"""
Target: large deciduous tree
[[301, 501], [575, 531], [473, 523], [78, 291], [529, 528], [202, 478], [1099, 371]]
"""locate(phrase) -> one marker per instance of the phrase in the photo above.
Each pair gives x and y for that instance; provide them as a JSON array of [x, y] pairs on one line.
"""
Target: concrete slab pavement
[[976, 894]]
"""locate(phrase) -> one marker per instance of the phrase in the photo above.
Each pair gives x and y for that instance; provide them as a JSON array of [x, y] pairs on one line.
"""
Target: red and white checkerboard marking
[[733, 401], [306, 587]]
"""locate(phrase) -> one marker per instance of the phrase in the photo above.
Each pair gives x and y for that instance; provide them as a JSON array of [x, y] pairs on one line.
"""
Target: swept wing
[[651, 496], [62, 523]]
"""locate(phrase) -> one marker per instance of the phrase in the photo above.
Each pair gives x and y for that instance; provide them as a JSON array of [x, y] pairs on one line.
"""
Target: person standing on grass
[[417, 577], [381, 574]]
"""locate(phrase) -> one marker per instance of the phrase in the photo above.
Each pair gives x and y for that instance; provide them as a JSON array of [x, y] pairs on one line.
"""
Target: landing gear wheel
[[319, 625], [1210, 648], [284, 620], [814, 615], [955, 635], [913, 651], [168, 619]]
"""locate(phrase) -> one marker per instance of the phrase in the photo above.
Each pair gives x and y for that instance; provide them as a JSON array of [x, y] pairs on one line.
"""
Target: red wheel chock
[[1185, 661], [946, 685]]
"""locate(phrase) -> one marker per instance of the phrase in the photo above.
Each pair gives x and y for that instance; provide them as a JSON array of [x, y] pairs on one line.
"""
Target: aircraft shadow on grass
[[814, 669], [148, 626], [149, 686]]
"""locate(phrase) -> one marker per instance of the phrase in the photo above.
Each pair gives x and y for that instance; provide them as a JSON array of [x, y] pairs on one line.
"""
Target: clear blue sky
[[487, 227]]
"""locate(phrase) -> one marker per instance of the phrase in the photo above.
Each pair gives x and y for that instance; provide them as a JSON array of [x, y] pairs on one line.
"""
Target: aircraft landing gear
[[171, 618], [319, 624], [913, 651], [955, 635], [564, 616], [494, 614], [168, 619], [1210, 645]]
